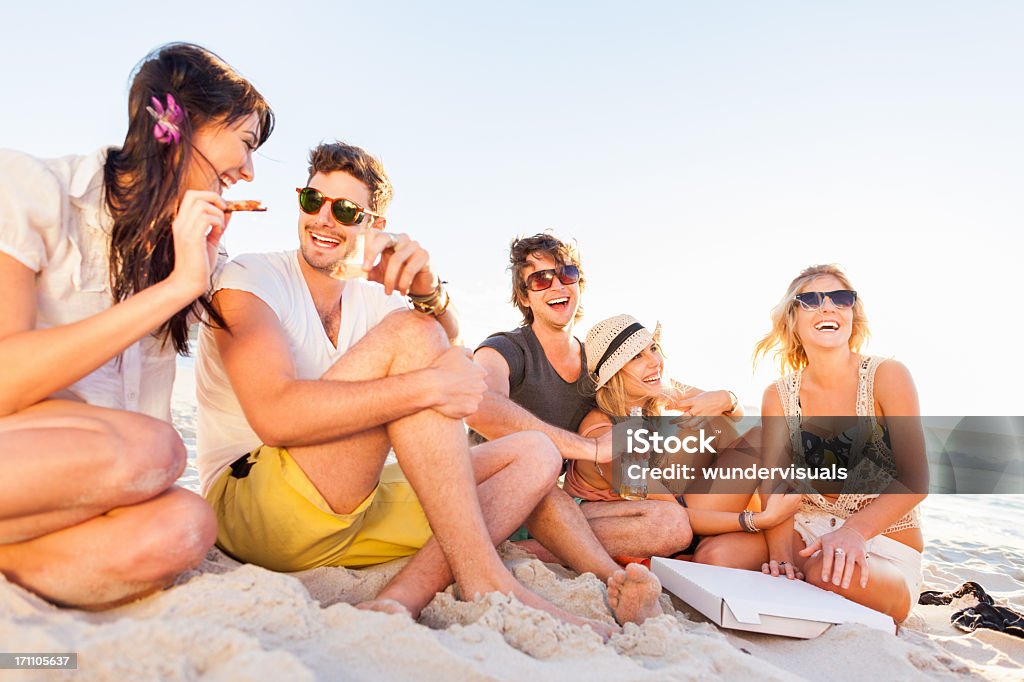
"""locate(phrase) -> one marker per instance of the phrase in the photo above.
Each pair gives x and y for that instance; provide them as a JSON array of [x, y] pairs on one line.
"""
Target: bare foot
[[391, 606], [633, 594], [533, 600]]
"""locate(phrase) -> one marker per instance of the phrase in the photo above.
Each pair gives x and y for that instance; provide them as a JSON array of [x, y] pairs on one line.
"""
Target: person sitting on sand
[[105, 260], [538, 379], [866, 547], [628, 373], [315, 379]]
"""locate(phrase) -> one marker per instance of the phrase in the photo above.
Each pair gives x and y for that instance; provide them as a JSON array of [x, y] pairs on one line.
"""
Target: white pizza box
[[748, 600]]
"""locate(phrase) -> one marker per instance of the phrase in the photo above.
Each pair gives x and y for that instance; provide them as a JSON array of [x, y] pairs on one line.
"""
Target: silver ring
[[783, 563], [392, 241], [839, 550]]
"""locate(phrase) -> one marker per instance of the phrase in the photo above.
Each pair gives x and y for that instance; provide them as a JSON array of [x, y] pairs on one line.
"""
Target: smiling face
[[222, 154], [322, 239], [642, 375], [828, 326], [555, 307]]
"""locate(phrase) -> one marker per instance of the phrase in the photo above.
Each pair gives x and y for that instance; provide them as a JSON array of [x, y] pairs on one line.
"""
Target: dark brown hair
[[145, 180], [339, 156], [563, 253]]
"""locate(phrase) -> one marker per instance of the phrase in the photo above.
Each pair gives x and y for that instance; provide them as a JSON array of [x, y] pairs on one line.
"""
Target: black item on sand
[[986, 614]]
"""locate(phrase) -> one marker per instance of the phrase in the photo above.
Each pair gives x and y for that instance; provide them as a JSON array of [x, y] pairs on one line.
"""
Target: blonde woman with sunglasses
[[865, 546]]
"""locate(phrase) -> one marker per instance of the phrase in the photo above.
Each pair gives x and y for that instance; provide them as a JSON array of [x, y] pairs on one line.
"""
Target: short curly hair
[[329, 157], [563, 253]]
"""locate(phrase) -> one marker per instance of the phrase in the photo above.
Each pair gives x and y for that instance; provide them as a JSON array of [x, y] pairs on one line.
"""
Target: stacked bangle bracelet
[[747, 522], [434, 303]]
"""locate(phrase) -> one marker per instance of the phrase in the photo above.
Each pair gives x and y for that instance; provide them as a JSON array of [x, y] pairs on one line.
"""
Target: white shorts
[[906, 560]]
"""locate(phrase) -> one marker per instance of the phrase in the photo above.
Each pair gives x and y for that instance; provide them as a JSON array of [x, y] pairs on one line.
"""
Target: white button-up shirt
[[53, 220]]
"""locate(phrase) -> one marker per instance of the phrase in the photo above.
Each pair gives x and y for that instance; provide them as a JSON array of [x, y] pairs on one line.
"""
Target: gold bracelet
[[596, 463], [435, 303]]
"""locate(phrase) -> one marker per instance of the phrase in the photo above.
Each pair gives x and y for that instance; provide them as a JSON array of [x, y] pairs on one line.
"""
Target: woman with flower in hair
[[105, 261], [836, 409], [628, 367]]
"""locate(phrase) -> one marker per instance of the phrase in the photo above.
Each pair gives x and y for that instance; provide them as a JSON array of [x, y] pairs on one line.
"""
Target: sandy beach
[[226, 621]]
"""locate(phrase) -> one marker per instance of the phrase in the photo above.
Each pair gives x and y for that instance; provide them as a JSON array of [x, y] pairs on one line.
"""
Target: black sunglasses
[[543, 279], [841, 298], [345, 211]]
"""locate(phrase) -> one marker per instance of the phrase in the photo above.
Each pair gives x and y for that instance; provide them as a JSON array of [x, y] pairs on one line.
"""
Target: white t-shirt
[[53, 220], [223, 433]]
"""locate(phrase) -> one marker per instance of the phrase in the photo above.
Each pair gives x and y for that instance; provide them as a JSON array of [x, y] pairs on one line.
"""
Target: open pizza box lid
[[748, 600]]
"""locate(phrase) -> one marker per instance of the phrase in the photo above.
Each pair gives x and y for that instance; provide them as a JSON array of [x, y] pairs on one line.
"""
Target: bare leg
[[562, 530], [514, 473], [643, 529], [116, 557], [434, 456], [734, 550], [88, 517], [886, 590], [561, 526], [541, 552]]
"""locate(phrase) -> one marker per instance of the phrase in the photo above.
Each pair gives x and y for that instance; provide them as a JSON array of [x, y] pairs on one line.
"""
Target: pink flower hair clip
[[167, 128]]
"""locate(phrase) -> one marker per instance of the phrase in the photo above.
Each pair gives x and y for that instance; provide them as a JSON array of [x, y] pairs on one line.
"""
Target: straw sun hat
[[613, 342]]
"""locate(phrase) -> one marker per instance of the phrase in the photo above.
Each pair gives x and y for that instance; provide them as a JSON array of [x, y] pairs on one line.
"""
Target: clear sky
[[701, 153]]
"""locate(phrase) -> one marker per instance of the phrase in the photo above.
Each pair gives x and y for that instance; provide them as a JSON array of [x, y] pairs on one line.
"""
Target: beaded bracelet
[[746, 519]]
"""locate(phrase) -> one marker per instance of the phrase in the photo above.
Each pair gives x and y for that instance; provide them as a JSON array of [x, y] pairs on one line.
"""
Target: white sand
[[227, 621]]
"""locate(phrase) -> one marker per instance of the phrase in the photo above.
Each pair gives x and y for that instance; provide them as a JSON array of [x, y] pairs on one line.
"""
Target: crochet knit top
[[876, 467]]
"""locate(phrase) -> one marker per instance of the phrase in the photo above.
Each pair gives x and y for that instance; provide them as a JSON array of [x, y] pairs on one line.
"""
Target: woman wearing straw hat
[[627, 367]]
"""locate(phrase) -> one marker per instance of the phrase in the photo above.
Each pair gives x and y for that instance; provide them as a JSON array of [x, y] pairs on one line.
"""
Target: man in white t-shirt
[[314, 382]]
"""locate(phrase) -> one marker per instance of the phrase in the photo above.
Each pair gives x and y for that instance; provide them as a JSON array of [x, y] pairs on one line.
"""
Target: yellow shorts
[[270, 514]]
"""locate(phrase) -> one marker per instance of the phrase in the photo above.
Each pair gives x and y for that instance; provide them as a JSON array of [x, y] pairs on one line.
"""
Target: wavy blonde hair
[[612, 400], [784, 343]]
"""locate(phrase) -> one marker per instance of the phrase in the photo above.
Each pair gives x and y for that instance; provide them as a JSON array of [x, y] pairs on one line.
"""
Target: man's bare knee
[[545, 459], [420, 337], [670, 527]]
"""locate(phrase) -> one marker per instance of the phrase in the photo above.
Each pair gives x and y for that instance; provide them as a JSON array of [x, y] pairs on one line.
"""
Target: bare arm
[[449, 321], [703, 521], [39, 362], [775, 445], [897, 398], [498, 416], [405, 267], [258, 362], [705, 403], [778, 509]]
